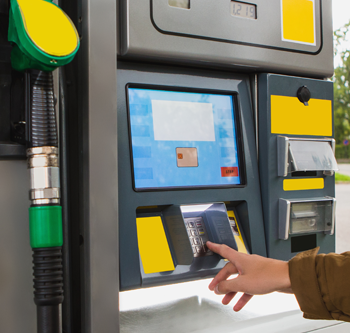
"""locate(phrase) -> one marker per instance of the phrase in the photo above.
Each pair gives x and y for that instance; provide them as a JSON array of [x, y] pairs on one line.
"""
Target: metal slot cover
[[312, 156], [300, 155]]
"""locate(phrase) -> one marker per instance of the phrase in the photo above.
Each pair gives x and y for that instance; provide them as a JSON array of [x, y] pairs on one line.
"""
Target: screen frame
[[237, 118]]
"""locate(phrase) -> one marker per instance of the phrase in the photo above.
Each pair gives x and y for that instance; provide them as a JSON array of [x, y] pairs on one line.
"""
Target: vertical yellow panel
[[290, 116], [153, 245], [303, 184], [298, 21], [239, 239]]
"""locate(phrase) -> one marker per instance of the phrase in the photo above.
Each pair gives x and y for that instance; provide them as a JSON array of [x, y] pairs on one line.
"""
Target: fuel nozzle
[[43, 39], [42, 34]]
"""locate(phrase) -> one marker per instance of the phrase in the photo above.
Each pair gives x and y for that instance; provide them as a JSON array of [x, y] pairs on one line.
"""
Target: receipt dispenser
[[306, 216], [297, 164]]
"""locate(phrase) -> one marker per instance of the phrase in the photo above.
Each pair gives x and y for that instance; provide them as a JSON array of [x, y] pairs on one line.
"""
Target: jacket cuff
[[303, 277]]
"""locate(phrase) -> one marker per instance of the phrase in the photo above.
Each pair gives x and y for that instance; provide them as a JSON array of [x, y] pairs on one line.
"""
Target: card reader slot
[[305, 174]]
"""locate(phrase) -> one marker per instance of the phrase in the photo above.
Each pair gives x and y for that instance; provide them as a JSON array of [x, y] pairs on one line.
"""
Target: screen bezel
[[238, 128]]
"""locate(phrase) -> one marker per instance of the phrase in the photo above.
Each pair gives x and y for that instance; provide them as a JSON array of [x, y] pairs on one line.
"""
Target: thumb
[[227, 286]]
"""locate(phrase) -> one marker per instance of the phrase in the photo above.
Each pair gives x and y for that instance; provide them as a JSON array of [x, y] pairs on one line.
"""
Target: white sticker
[[183, 121]]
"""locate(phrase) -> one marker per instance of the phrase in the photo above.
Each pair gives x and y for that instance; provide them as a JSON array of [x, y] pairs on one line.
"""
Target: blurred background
[[341, 26]]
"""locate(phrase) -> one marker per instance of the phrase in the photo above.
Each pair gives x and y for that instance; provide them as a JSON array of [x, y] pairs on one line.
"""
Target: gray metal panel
[[99, 173], [271, 184], [181, 35], [213, 20], [247, 199], [17, 308]]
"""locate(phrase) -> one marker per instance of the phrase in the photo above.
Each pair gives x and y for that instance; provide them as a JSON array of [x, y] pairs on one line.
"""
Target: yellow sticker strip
[[49, 28], [303, 184], [239, 239], [290, 116], [153, 245], [298, 21]]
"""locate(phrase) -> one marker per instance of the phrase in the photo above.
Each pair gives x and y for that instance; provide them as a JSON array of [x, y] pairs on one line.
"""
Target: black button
[[304, 95]]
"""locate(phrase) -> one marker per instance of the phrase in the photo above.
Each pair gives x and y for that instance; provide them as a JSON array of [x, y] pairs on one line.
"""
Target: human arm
[[256, 276], [319, 282]]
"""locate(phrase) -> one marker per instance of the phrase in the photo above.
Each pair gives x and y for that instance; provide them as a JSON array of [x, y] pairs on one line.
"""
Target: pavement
[[342, 194], [344, 169], [342, 226]]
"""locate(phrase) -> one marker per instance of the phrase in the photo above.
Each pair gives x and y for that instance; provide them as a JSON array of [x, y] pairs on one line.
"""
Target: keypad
[[198, 236]]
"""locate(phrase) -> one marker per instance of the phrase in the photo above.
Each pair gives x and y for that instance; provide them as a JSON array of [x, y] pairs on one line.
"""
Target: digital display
[[243, 9], [182, 139]]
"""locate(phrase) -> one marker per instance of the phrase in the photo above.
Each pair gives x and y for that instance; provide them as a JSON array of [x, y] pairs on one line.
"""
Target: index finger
[[225, 251]]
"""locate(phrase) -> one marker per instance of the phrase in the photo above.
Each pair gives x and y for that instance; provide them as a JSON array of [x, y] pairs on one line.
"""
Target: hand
[[256, 276]]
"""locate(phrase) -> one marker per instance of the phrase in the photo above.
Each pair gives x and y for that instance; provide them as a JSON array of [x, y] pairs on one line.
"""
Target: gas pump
[[193, 120]]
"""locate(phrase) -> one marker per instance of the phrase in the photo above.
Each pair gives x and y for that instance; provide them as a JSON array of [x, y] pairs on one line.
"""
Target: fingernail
[[216, 289]]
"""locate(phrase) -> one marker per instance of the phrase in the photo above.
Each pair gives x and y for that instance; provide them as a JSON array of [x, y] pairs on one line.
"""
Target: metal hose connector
[[44, 175]]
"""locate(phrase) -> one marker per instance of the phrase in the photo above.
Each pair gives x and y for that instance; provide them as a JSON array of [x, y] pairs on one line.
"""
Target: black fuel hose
[[48, 285], [43, 116], [47, 261]]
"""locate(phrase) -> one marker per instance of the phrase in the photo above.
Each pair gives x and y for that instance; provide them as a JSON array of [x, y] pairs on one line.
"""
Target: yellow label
[[290, 116], [153, 245], [239, 239], [49, 28], [303, 184], [298, 21]]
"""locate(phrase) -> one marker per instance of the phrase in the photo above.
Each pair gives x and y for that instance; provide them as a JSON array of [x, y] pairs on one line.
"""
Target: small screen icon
[[229, 172], [187, 157]]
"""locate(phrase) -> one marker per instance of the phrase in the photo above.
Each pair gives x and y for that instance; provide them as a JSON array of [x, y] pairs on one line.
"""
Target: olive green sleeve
[[321, 284]]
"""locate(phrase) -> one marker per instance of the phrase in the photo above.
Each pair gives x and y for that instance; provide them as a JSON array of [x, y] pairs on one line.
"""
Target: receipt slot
[[297, 164], [306, 216], [188, 173]]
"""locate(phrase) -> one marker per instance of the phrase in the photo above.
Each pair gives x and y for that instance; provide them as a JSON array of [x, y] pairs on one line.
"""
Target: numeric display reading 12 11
[[242, 9]]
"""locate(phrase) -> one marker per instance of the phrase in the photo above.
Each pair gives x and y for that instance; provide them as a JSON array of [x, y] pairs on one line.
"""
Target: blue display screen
[[182, 139]]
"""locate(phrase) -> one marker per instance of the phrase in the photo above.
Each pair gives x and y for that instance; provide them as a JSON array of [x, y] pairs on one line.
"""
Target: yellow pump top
[[48, 27]]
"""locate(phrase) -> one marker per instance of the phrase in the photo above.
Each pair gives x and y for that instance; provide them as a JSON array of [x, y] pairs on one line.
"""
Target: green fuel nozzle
[[43, 36]]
